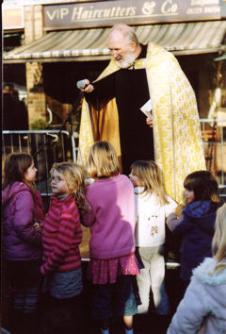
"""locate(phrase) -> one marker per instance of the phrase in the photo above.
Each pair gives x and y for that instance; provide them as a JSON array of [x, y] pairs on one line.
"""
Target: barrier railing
[[48, 146], [214, 143]]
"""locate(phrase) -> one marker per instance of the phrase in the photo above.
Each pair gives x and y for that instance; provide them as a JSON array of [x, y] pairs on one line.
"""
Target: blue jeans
[[64, 285]]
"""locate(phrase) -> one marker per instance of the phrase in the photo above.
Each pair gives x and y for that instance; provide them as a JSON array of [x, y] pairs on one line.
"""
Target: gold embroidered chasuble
[[177, 136]]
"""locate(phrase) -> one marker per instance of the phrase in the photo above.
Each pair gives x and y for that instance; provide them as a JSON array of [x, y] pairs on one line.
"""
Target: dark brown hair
[[203, 184], [15, 167]]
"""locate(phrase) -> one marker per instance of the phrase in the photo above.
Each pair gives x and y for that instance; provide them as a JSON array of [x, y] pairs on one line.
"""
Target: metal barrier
[[214, 143], [48, 146]]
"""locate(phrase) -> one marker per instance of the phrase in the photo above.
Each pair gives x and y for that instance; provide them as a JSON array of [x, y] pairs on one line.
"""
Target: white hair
[[126, 31]]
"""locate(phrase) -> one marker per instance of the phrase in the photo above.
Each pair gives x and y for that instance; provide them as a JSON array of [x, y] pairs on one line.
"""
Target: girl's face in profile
[[135, 179], [30, 174], [189, 195], [58, 183]]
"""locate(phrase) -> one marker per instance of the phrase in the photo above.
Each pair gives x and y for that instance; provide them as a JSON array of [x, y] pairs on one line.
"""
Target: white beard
[[127, 61]]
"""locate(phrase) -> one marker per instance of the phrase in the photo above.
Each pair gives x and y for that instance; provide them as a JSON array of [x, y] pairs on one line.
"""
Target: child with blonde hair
[[111, 219], [22, 212], [61, 238], [203, 308], [153, 206]]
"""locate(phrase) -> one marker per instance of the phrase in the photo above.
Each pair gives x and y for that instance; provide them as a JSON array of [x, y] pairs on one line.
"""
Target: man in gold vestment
[[143, 77]]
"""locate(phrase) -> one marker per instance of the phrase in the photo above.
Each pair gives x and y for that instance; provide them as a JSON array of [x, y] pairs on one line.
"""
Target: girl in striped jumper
[[62, 236]]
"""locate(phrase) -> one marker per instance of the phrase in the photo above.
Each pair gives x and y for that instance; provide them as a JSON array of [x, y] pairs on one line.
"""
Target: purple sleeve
[[69, 233], [24, 218], [172, 221]]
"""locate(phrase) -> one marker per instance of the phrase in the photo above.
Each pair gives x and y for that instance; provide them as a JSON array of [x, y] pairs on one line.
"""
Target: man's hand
[[85, 86], [149, 122], [88, 89]]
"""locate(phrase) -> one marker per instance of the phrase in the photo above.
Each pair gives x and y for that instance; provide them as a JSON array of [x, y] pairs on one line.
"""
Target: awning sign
[[106, 13], [90, 44], [13, 18]]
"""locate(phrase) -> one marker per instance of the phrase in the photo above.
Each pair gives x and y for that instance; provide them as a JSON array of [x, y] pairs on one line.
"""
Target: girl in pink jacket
[[111, 219]]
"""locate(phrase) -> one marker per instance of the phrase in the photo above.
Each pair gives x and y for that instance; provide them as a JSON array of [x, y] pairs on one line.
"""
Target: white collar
[[139, 190]]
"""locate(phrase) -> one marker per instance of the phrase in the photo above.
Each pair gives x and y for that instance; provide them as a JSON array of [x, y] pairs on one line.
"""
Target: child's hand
[[89, 181], [37, 226], [179, 210]]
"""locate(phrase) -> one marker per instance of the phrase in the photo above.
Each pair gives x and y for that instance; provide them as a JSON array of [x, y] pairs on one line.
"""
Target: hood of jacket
[[207, 274], [202, 214], [11, 190], [200, 209]]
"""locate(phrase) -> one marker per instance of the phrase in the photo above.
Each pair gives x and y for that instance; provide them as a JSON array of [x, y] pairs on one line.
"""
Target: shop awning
[[89, 44], [221, 58]]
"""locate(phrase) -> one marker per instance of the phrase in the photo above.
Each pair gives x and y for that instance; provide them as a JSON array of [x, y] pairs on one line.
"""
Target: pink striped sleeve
[[68, 234]]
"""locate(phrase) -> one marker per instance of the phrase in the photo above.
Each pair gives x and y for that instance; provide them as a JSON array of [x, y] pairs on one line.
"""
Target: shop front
[[66, 42]]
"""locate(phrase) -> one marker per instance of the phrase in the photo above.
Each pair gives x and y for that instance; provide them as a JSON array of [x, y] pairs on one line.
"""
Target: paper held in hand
[[147, 109]]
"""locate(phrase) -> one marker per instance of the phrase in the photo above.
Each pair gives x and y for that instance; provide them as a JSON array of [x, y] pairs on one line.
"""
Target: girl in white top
[[153, 207]]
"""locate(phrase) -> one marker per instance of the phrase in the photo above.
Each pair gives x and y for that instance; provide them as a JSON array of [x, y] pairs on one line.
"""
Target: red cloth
[[61, 236], [103, 271]]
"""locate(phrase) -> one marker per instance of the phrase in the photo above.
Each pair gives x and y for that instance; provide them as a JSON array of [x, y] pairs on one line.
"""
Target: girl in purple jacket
[[111, 219], [195, 225], [22, 212]]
